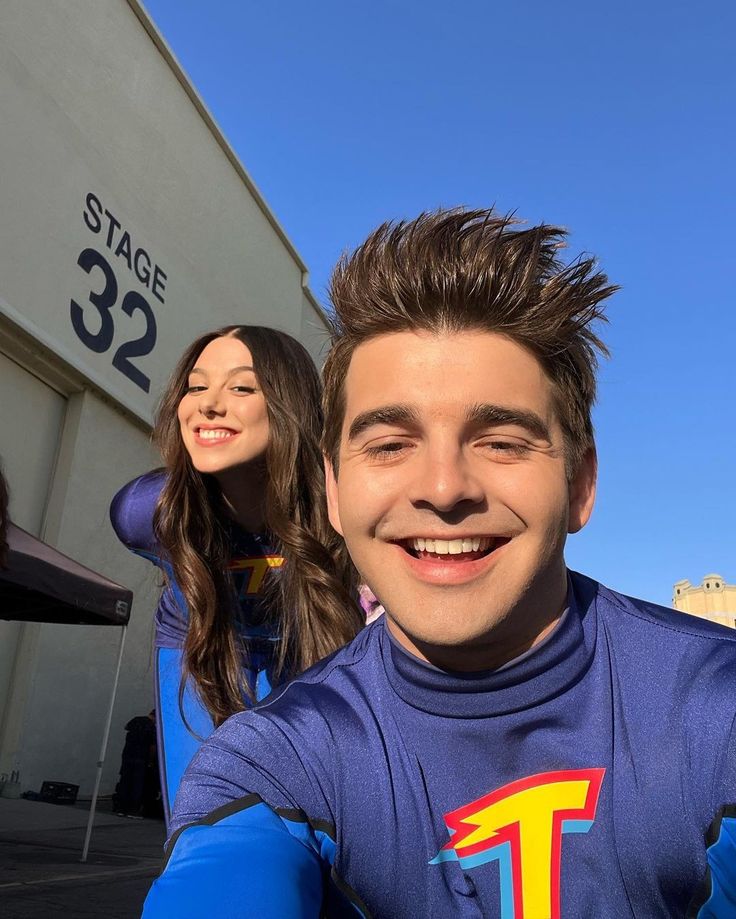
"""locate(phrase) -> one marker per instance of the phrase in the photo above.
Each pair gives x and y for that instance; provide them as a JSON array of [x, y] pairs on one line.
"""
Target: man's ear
[[333, 509], [582, 491]]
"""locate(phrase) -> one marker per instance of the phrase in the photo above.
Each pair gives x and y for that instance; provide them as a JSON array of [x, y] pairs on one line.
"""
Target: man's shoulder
[[283, 751], [301, 715], [347, 677], [667, 637], [664, 618]]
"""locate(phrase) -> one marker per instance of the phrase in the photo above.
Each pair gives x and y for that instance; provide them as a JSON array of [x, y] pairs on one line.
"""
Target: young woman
[[257, 584]]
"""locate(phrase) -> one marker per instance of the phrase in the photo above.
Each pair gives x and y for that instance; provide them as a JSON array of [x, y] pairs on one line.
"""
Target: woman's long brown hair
[[313, 605]]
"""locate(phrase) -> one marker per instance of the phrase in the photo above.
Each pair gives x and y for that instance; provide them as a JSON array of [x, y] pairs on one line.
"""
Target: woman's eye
[[193, 389], [248, 389]]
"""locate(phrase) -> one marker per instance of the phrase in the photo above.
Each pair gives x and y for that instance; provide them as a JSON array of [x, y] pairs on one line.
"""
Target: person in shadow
[[137, 763]]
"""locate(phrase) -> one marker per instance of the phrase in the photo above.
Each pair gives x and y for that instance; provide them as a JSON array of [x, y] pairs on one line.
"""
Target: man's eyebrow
[[386, 414], [230, 373], [487, 414]]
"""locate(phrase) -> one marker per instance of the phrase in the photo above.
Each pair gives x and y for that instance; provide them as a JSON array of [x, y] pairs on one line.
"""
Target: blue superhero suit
[[592, 777], [252, 562]]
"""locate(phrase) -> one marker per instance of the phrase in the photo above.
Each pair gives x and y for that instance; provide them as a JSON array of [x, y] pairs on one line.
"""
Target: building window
[[708, 585]]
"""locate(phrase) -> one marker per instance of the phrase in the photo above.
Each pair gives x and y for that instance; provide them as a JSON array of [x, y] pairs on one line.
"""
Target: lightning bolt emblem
[[521, 826], [258, 567]]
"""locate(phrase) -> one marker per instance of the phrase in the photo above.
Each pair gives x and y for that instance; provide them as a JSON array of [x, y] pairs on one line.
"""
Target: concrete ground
[[42, 877]]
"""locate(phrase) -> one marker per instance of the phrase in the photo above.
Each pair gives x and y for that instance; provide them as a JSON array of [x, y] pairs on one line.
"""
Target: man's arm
[[716, 898], [243, 860], [253, 834]]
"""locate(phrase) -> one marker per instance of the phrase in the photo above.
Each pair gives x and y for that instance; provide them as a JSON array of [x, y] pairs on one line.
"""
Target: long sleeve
[[131, 513], [717, 896], [247, 863], [252, 833]]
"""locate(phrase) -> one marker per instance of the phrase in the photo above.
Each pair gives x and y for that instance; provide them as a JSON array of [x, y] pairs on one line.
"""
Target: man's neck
[[521, 631], [476, 658]]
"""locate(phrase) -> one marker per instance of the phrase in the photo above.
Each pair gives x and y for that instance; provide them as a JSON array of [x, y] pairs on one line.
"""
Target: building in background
[[127, 228], [713, 599]]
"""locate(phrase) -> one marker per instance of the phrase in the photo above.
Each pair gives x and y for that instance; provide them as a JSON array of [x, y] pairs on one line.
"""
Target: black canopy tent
[[41, 584]]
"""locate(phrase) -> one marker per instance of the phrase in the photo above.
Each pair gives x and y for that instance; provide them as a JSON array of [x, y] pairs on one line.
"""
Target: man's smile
[[451, 548], [453, 561]]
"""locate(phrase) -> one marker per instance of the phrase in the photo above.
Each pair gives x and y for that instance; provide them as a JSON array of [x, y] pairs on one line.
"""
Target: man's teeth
[[216, 434], [451, 546]]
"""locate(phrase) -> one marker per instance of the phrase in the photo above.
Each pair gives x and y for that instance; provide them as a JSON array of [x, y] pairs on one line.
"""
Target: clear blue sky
[[615, 120]]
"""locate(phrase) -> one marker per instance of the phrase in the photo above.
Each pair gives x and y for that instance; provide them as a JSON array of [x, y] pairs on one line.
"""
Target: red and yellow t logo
[[521, 826], [258, 566]]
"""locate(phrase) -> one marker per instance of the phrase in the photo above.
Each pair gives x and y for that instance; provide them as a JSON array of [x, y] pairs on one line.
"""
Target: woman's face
[[222, 415]]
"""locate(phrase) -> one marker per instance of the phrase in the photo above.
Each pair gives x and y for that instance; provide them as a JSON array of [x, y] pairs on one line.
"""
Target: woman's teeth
[[451, 546], [214, 434]]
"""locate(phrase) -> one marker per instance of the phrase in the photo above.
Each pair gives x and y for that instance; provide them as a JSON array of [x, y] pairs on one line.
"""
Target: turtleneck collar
[[530, 679]]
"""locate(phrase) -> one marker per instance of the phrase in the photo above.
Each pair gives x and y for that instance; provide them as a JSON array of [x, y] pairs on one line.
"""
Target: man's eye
[[506, 447], [386, 450]]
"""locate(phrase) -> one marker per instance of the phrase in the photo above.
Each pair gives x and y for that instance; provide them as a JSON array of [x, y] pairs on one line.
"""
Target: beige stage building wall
[[127, 228]]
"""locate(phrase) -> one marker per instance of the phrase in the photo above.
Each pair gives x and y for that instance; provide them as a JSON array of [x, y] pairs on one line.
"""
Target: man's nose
[[445, 479]]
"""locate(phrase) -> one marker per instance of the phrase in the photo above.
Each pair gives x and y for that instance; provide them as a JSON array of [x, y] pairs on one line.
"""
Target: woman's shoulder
[[132, 508]]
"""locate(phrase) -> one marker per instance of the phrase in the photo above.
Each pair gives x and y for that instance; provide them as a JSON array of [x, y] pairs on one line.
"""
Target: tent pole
[[103, 748]]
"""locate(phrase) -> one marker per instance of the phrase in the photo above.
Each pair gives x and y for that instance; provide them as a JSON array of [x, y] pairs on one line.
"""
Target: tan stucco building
[[713, 599]]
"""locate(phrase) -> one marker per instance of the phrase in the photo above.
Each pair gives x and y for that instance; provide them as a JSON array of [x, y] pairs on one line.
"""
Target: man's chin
[[451, 649]]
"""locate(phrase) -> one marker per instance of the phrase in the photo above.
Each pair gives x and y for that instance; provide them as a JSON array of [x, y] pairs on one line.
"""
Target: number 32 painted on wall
[[101, 340]]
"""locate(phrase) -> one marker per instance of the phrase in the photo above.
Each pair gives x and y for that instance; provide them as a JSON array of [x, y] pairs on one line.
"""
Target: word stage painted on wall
[[99, 332]]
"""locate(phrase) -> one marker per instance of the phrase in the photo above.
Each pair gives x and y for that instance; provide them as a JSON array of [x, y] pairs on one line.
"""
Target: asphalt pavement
[[42, 877]]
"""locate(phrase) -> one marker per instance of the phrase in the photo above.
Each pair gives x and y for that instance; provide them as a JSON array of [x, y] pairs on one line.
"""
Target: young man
[[511, 739]]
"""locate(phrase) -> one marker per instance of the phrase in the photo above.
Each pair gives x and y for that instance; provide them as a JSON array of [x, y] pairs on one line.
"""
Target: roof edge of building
[[160, 42]]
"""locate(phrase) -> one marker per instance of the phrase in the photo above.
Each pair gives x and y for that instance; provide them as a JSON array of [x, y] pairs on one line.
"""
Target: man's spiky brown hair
[[461, 270]]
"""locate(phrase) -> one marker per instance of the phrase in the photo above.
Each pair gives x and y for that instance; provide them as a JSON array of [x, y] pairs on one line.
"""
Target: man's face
[[452, 493]]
